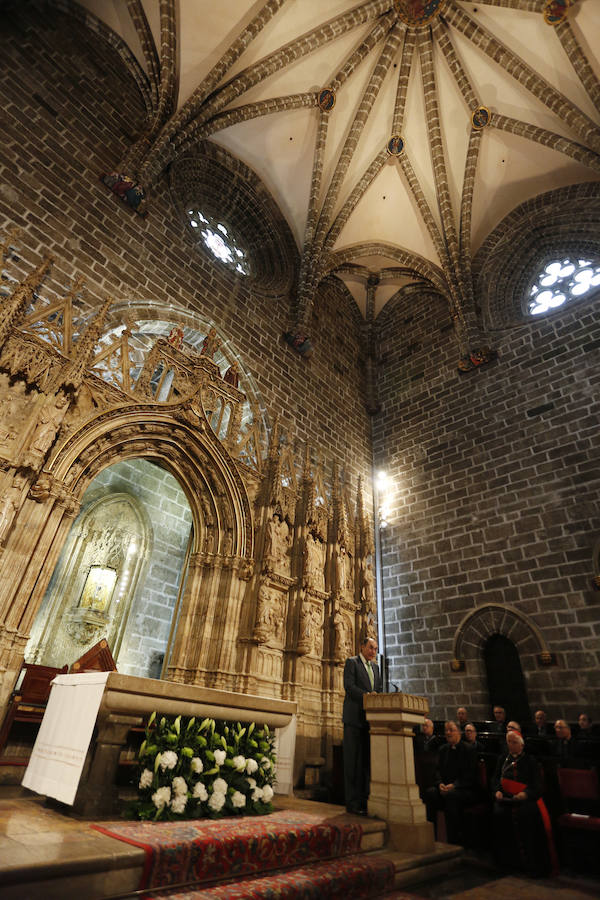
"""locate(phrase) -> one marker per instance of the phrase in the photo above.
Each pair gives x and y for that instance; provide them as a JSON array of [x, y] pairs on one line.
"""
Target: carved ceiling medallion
[[418, 12]]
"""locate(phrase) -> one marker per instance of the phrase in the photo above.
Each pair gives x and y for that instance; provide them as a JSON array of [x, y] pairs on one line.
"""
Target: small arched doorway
[[120, 573], [506, 683]]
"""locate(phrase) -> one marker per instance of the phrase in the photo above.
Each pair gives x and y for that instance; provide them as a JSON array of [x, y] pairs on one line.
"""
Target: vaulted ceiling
[[393, 134]]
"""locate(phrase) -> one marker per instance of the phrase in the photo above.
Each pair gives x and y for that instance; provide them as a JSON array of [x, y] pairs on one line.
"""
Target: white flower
[[216, 801], [197, 765], [146, 778], [168, 760], [220, 786], [200, 792], [219, 757], [179, 785], [178, 803], [251, 782], [239, 763], [267, 793], [238, 799], [266, 764], [161, 797], [257, 793], [251, 766]]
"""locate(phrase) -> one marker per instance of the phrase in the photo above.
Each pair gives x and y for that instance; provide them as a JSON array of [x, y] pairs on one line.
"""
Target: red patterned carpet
[[350, 877], [204, 851]]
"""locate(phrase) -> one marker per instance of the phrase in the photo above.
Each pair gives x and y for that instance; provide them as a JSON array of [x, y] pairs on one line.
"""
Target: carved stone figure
[[175, 338], [231, 376], [210, 344], [41, 489], [209, 539], [83, 408], [310, 624], [341, 628], [10, 502], [49, 421], [368, 589], [343, 573], [268, 619], [13, 404], [314, 563], [277, 545]]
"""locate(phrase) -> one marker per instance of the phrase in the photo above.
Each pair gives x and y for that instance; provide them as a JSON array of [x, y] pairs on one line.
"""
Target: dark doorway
[[506, 684]]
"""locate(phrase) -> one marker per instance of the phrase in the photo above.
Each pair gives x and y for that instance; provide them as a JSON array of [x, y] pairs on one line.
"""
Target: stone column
[[394, 793]]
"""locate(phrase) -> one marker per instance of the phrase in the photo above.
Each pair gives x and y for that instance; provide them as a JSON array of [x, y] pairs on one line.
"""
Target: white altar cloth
[[62, 743]]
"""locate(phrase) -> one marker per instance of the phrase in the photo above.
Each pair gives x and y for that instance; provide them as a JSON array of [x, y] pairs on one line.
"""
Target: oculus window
[[219, 241]]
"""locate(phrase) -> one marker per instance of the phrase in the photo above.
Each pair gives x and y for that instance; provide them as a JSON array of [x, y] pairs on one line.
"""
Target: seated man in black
[[541, 729], [455, 782], [565, 748], [430, 742], [470, 738], [499, 725], [522, 829]]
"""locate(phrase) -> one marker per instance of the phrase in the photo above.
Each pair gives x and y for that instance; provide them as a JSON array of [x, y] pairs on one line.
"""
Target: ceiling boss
[[418, 12]]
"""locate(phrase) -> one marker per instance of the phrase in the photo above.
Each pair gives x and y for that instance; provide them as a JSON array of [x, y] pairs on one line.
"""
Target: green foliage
[[191, 770]]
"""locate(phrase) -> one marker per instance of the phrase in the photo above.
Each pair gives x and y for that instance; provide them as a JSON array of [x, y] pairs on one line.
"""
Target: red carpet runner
[[349, 877], [237, 848]]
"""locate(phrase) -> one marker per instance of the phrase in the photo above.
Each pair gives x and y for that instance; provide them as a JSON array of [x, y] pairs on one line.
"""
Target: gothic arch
[[178, 438], [497, 618]]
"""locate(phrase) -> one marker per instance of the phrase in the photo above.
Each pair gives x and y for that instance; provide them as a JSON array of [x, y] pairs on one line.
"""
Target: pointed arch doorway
[[506, 682], [120, 573]]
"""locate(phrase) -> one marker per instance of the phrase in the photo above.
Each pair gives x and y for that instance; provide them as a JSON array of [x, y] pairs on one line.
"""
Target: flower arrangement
[[192, 770]]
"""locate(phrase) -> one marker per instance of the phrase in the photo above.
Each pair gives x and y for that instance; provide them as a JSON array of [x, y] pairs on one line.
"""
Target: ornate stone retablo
[[418, 12]]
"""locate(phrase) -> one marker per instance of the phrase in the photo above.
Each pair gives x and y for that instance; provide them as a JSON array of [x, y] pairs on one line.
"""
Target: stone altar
[[126, 700]]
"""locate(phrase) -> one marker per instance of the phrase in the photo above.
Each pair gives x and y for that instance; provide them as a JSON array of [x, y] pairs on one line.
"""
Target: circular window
[[233, 219], [219, 240], [560, 281]]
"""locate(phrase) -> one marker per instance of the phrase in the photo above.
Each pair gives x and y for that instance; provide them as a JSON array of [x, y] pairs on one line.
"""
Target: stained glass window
[[560, 281], [219, 240]]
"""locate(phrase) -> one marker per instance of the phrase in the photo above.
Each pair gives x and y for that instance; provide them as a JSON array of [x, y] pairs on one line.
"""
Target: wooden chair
[[97, 659], [579, 826], [27, 705]]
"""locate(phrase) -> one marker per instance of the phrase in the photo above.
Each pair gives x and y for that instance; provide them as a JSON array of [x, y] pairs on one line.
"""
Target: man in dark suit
[[499, 725], [455, 782], [542, 729], [361, 676]]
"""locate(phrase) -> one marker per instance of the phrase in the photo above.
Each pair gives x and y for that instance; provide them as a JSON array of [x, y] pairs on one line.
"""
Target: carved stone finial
[[306, 468], [5, 246], [274, 442], [14, 308], [84, 349]]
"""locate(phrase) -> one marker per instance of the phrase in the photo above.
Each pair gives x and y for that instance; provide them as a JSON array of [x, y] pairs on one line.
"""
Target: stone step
[[413, 868]]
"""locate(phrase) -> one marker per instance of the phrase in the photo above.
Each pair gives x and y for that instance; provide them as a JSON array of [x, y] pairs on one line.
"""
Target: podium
[[394, 794]]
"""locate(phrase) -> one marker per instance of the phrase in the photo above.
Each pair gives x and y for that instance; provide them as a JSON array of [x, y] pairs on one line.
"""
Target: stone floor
[[47, 854]]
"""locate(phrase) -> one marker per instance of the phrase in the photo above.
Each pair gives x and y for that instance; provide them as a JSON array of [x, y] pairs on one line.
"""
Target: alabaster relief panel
[[271, 612]]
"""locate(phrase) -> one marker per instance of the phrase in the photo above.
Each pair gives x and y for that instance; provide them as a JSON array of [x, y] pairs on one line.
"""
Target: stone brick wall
[[170, 518], [493, 499], [70, 108]]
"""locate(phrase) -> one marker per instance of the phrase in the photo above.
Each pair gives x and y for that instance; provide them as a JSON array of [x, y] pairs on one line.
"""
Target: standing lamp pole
[[379, 584]]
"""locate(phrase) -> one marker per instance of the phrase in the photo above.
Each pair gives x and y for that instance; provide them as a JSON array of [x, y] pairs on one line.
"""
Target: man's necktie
[[370, 671]]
